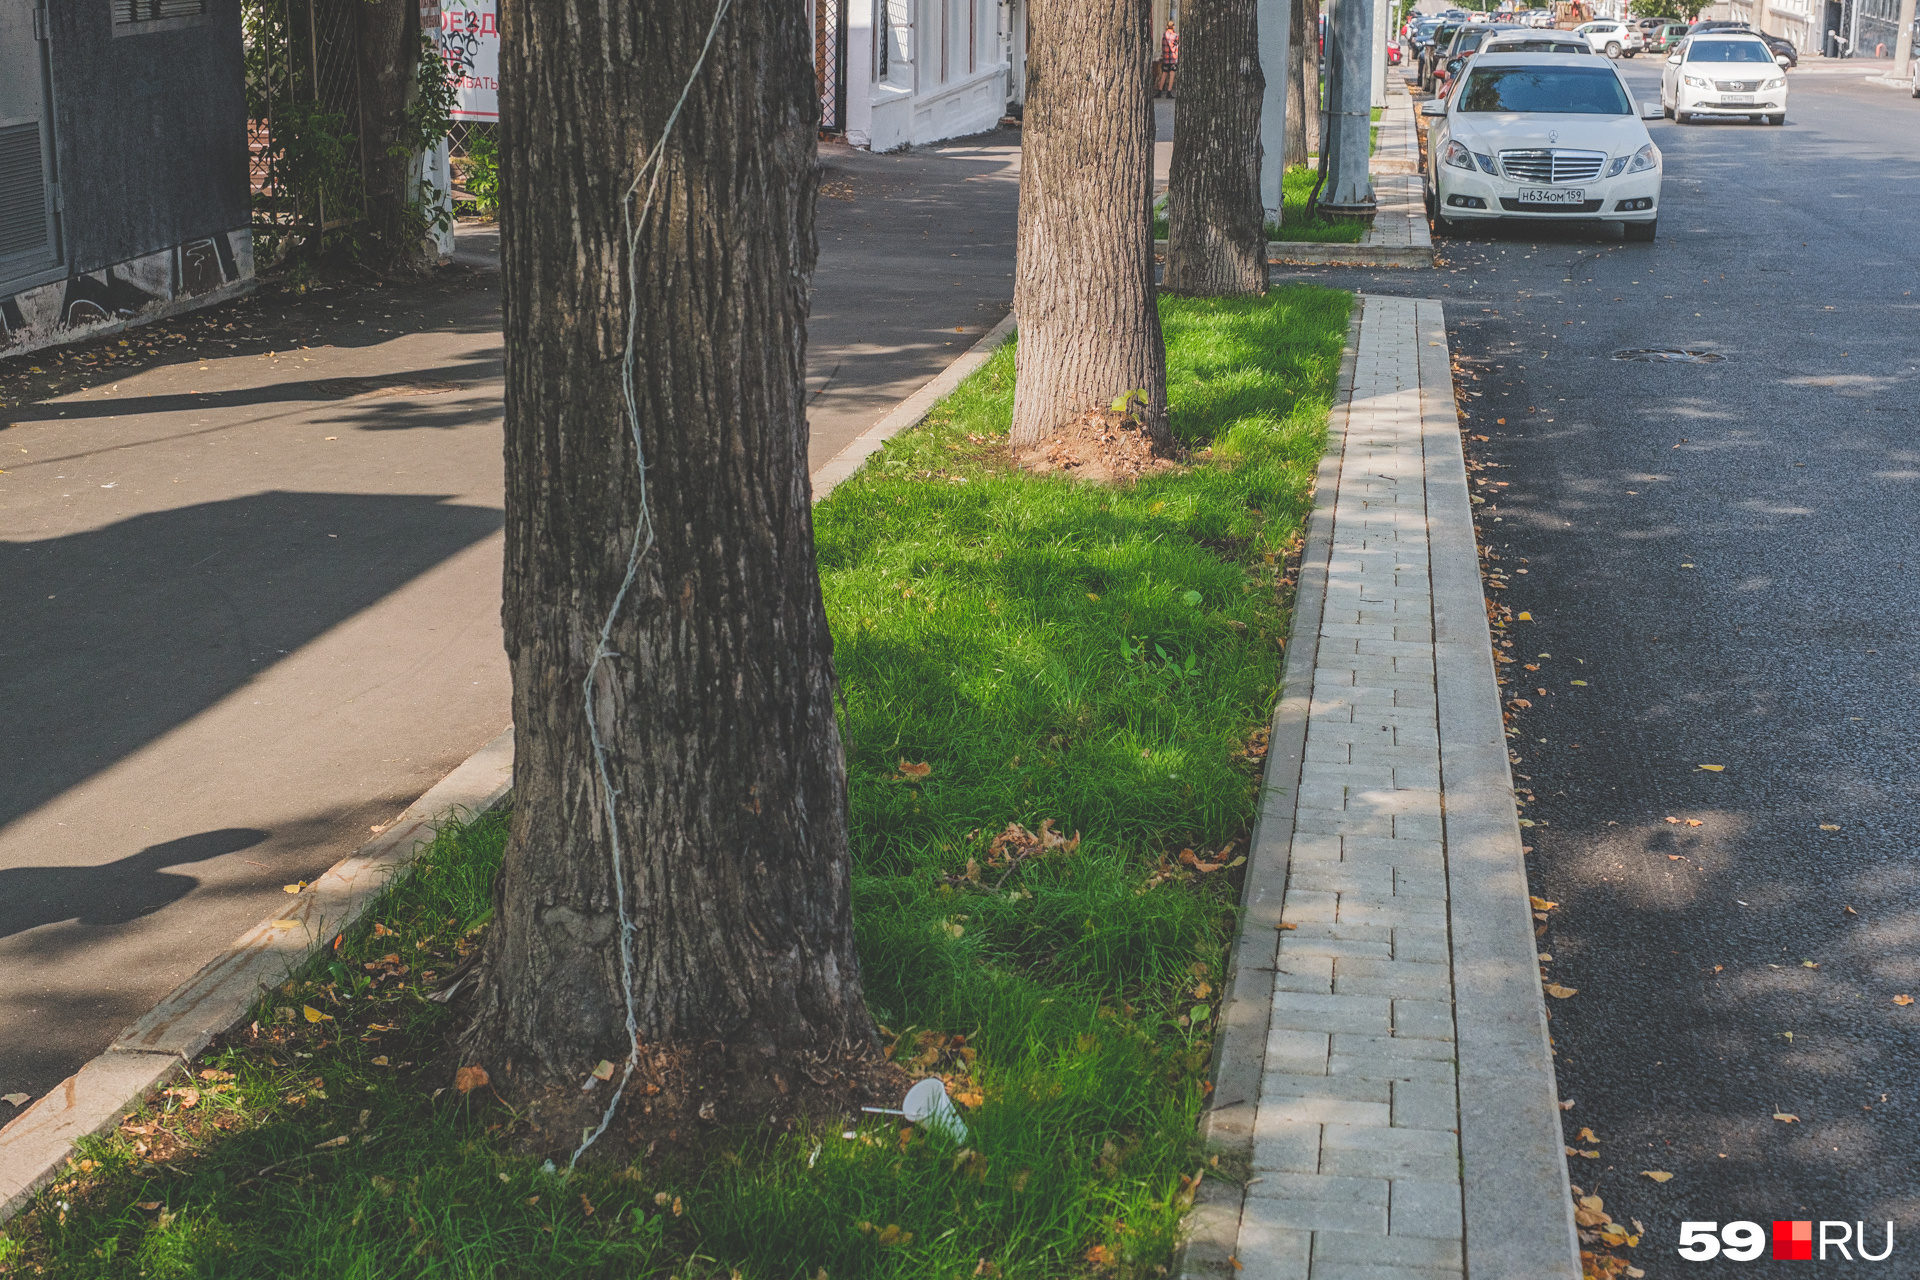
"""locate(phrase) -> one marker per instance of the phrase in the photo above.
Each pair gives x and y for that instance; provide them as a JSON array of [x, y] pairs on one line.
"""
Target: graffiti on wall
[[68, 309]]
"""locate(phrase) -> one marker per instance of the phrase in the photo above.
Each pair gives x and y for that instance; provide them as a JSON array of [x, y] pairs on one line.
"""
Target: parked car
[[1724, 73], [1542, 137], [1705, 25], [1433, 50], [1664, 37], [1782, 48], [1465, 41], [1539, 18], [1615, 39], [1524, 41], [1915, 63]]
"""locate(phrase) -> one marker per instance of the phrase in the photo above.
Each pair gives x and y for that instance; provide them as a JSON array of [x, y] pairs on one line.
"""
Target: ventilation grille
[[129, 11], [23, 192], [1552, 166]]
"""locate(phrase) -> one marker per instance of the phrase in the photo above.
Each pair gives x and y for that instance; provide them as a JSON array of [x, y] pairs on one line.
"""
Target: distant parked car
[[1664, 37], [1782, 48], [1615, 39], [1535, 42], [1539, 18], [1916, 77]]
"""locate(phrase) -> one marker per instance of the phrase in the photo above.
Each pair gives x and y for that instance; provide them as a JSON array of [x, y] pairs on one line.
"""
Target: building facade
[[123, 162]]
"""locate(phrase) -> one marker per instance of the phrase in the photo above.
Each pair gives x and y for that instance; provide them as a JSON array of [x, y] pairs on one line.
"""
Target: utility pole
[[1903, 42], [1382, 32], [1273, 18], [1349, 189]]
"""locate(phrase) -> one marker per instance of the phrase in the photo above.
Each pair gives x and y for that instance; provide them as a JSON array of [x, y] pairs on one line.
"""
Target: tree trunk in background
[[1216, 226], [1303, 87], [1089, 327], [717, 706], [389, 49]]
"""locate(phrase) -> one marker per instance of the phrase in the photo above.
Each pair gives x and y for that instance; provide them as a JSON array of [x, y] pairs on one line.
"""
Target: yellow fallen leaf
[[1587, 1135], [1092, 596], [603, 1070], [1713, 768], [1808, 964], [1541, 904], [915, 770], [13, 1099], [380, 1061], [295, 887], [285, 924], [1786, 1117], [1829, 826], [1585, 1155], [1635, 1273], [314, 1015], [1694, 822], [1658, 1175], [1903, 1000], [1559, 992], [1581, 683], [1524, 617]]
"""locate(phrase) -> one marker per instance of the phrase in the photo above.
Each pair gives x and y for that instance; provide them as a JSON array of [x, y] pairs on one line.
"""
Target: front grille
[[1514, 206], [1736, 86], [1552, 166]]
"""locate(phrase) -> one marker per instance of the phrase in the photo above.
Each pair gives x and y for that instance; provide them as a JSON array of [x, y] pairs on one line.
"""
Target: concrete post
[[1273, 18], [1903, 42], [1349, 106], [1382, 32]]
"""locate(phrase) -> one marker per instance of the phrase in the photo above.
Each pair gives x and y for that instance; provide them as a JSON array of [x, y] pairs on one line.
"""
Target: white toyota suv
[[1541, 136], [1615, 39], [1724, 73]]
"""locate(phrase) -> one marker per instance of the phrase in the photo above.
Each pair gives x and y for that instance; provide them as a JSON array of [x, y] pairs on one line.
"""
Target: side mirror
[[1674, 58], [1780, 58], [1433, 107], [1652, 111]]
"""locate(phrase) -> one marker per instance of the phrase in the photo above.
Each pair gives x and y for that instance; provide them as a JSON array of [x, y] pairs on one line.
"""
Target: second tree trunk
[[1216, 227]]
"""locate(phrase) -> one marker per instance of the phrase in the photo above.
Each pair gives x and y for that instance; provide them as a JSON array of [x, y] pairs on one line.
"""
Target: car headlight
[[1486, 162], [1780, 83], [1457, 156], [1647, 157], [1695, 81], [1619, 163]]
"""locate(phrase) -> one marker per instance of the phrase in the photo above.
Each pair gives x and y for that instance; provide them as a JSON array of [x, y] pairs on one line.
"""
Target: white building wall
[[930, 69]]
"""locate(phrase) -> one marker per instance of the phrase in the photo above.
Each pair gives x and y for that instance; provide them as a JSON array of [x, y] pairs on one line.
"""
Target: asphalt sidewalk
[[1384, 1066], [255, 561]]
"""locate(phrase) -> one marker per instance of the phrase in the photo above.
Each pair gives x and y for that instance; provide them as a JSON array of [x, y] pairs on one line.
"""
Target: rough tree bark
[[1216, 225], [1089, 327], [388, 48], [1303, 87], [717, 710]]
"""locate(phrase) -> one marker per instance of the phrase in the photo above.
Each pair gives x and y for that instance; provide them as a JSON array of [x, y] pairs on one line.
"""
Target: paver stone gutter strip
[[1406, 1122]]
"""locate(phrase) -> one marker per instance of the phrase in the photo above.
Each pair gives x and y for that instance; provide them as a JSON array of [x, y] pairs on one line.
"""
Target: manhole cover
[[1670, 355]]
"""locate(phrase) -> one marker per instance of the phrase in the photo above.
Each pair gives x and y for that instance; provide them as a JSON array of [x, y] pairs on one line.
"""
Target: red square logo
[[1793, 1241]]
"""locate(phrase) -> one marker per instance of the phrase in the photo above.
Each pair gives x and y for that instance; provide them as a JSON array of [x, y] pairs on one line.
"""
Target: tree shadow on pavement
[[114, 892]]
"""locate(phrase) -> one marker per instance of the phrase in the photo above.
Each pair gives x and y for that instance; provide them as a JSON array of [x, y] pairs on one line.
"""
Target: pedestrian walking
[[1169, 58]]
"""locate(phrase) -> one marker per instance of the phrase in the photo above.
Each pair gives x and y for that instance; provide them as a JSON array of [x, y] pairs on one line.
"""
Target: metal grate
[[301, 52], [23, 192], [830, 62], [130, 11], [1552, 166], [1736, 86]]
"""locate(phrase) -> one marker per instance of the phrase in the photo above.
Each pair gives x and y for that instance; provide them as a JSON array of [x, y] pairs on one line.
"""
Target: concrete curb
[[1345, 255], [1240, 1046], [908, 412], [38, 1142], [1519, 1210]]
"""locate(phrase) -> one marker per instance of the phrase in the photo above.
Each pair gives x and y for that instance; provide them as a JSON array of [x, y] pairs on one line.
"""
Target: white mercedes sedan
[[1541, 137]]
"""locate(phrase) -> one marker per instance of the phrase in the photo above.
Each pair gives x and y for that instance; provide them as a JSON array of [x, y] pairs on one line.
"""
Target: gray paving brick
[[1416, 826], [1432, 989], [1431, 1209], [1379, 1067], [1298, 1011], [1297, 1052], [1420, 1019], [1342, 877], [1419, 883], [1354, 774], [1304, 908], [1312, 1186], [1417, 976], [1317, 1215], [1291, 1148], [1268, 1251], [1393, 852], [1358, 910], [1362, 1151], [1424, 1104], [1421, 945], [1280, 1084], [1327, 822], [1312, 974], [1410, 1251], [1297, 1109], [1350, 1045]]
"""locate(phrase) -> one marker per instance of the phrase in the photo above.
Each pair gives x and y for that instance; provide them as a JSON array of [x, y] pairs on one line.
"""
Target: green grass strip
[[1298, 222], [1101, 658]]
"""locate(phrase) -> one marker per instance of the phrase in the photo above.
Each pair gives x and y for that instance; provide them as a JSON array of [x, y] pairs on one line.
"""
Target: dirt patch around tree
[[1106, 446]]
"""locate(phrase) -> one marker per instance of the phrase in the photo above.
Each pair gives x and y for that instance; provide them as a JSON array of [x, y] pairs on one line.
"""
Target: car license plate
[[1553, 195], [1736, 100]]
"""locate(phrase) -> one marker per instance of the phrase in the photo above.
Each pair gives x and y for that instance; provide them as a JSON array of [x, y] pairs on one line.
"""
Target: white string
[[635, 223]]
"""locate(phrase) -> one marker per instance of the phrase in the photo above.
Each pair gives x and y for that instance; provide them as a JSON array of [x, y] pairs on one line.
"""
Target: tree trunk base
[[1104, 446], [685, 1096]]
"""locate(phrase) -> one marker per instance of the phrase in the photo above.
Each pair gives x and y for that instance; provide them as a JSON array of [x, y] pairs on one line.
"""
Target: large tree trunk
[[389, 48], [1303, 87], [1216, 225], [715, 696], [1089, 328]]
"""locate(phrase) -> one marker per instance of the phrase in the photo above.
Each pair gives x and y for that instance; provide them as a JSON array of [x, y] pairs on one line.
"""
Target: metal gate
[[304, 131], [830, 62]]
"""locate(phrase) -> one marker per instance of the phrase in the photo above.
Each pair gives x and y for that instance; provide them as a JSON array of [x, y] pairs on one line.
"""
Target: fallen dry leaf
[[467, 1079], [1786, 1117], [1658, 1175], [1541, 904], [1586, 1135], [16, 1099], [295, 887], [1808, 964], [1589, 1155], [915, 770], [188, 1098], [1524, 617], [1829, 826], [1714, 768], [1566, 1104], [314, 1015], [284, 924], [1559, 992], [603, 1070], [1694, 822], [340, 1141], [1675, 821], [1903, 1000]]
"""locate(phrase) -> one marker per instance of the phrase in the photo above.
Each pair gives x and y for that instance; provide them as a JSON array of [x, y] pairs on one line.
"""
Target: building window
[[128, 12]]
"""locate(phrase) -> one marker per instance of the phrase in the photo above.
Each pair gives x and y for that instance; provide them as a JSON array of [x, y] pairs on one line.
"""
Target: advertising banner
[[470, 37]]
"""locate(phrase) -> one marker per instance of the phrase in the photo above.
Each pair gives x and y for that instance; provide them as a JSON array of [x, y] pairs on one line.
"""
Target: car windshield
[[1579, 91], [1729, 51]]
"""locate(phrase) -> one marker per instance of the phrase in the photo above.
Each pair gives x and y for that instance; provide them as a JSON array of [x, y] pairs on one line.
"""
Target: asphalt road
[[1725, 554], [250, 578]]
